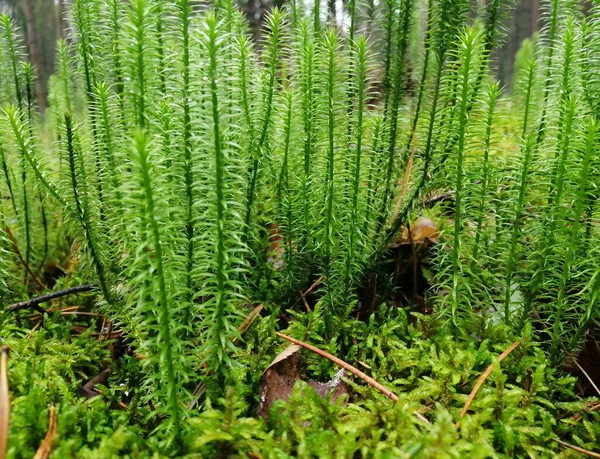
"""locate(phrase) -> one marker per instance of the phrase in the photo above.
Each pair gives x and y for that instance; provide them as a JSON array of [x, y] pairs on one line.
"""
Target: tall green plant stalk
[[525, 166], [184, 12], [493, 93], [397, 91], [114, 33], [20, 132], [166, 344], [331, 45], [450, 17], [14, 55], [309, 109], [284, 197], [470, 45], [555, 196], [220, 307], [361, 93], [82, 209], [275, 25], [7, 178], [590, 149]]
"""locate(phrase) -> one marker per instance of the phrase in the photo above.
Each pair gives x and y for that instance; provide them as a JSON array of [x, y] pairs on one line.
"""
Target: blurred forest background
[[45, 21]]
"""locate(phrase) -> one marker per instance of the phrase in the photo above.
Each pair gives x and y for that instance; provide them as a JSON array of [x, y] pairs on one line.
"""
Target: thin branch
[[484, 376], [4, 400], [594, 407], [32, 303], [577, 448], [355, 371], [45, 448], [21, 259]]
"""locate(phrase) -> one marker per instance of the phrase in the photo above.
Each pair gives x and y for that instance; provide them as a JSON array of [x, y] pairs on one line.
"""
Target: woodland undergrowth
[[191, 172]]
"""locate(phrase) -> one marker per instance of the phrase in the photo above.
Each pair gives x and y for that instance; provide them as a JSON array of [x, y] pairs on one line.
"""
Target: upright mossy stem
[[184, 11], [307, 69], [284, 198], [548, 76], [450, 17], [158, 14], [493, 94], [78, 181], [139, 16], [15, 119], [102, 95], [331, 46], [397, 90], [566, 114], [554, 206], [220, 332], [361, 80], [245, 50], [317, 17], [470, 44], [7, 178], [528, 145], [491, 32], [12, 39], [421, 91], [174, 407], [275, 24], [10, 36], [83, 23], [590, 148], [115, 31]]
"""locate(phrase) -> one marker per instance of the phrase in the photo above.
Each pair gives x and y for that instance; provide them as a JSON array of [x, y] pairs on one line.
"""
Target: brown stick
[[32, 303], [21, 259], [594, 407], [250, 318], [4, 401], [45, 448], [577, 448], [484, 376], [355, 371]]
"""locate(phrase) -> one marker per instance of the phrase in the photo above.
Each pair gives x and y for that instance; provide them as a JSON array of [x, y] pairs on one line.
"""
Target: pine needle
[[484, 376], [577, 448]]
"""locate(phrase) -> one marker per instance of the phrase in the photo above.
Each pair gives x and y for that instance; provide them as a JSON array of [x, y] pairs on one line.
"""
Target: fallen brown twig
[[355, 371], [34, 302], [577, 448], [593, 407], [4, 401], [484, 376], [43, 452]]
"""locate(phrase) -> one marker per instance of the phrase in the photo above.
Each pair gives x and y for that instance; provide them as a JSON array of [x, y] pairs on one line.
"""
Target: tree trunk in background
[[61, 25], [34, 52], [535, 16]]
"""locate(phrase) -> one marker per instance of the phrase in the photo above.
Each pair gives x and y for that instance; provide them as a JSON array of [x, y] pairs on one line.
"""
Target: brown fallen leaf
[[4, 401], [45, 448], [278, 380]]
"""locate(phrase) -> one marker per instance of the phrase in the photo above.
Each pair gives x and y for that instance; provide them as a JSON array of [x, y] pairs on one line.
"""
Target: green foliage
[[194, 170]]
